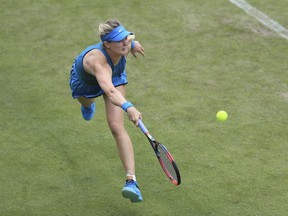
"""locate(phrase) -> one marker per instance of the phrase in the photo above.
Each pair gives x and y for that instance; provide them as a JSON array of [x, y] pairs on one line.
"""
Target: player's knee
[[116, 129]]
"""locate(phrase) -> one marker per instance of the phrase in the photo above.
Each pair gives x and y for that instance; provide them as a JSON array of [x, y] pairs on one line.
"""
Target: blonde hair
[[106, 27]]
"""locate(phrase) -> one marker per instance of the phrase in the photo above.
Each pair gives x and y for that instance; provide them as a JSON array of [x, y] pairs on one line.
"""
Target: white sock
[[129, 176]]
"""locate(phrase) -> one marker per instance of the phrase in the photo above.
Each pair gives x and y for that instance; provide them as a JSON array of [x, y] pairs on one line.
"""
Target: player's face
[[121, 47]]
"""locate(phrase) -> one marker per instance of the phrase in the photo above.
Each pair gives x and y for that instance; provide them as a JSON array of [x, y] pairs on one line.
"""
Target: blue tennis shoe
[[88, 112], [131, 191]]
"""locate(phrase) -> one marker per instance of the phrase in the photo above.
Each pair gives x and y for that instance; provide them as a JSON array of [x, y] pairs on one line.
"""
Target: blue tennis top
[[90, 79]]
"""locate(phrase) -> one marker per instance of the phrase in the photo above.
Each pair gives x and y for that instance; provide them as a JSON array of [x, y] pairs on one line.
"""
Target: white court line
[[261, 17]]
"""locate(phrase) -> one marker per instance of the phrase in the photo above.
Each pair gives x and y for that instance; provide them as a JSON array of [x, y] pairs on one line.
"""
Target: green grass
[[201, 57]]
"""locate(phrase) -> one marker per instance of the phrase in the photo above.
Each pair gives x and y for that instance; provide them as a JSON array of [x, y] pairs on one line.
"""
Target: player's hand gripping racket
[[166, 160]]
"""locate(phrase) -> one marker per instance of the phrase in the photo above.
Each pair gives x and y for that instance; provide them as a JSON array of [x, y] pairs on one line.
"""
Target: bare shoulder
[[93, 60], [95, 56]]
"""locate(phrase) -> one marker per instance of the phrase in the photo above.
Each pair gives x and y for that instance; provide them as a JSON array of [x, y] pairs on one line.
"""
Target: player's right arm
[[96, 64]]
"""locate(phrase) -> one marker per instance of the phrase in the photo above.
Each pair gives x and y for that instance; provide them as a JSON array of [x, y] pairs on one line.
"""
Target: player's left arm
[[136, 47]]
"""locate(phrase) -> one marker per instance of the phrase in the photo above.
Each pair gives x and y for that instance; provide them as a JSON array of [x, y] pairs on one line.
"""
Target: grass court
[[201, 57]]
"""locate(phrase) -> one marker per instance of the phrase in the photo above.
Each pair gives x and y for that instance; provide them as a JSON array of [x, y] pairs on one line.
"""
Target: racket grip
[[142, 127]]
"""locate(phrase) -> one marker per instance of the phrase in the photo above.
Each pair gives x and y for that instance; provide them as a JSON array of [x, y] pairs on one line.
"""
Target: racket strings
[[167, 163]]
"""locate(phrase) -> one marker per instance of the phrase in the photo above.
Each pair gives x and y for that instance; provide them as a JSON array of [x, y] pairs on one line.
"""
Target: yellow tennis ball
[[222, 116]]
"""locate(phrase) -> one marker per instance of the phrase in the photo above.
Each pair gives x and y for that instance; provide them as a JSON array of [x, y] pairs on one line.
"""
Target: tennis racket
[[166, 160]]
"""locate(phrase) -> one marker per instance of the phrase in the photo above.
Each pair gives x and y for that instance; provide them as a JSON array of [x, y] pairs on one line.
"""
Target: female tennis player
[[100, 70]]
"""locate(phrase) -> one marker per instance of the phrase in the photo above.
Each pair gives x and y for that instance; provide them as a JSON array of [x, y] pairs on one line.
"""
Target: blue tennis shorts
[[80, 88]]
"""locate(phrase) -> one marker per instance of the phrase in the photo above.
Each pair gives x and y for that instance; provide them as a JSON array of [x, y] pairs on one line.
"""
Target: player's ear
[[106, 44]]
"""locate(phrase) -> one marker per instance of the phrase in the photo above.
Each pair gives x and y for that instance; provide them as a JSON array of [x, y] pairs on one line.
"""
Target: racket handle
[[142, 127]]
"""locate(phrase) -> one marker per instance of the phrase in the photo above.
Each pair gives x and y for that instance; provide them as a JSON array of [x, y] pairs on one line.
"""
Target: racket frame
[[156, 145]]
